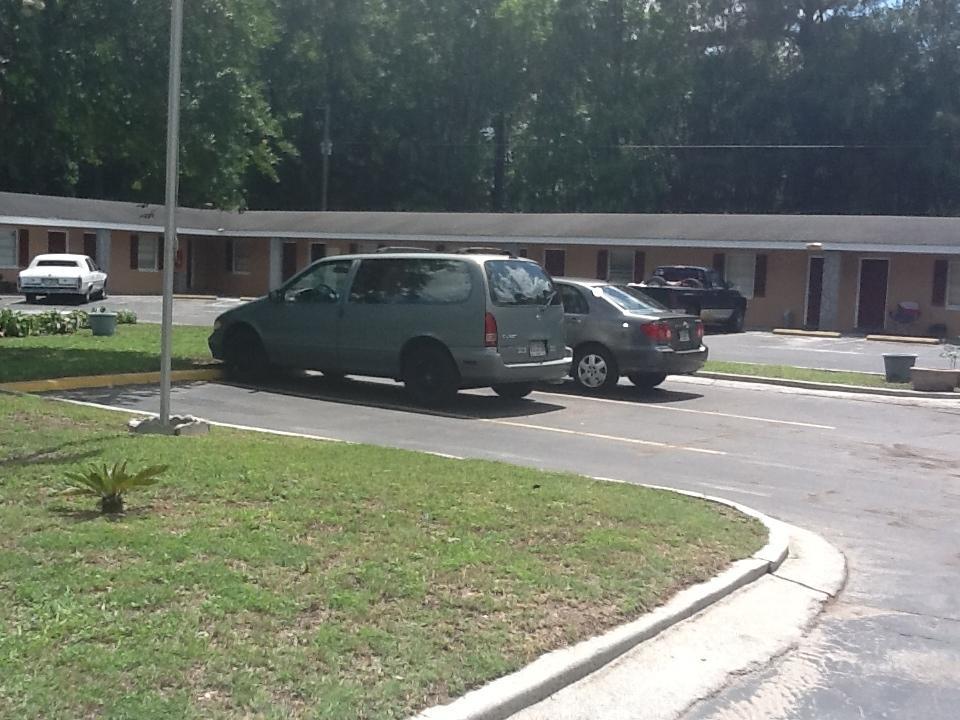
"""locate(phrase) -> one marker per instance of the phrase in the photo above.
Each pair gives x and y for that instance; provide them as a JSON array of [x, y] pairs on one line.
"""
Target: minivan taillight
[[659, 332], [489, 330], [699, 330]]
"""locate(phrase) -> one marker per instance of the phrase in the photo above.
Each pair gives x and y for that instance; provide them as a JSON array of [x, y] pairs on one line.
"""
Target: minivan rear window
[[519, 282]]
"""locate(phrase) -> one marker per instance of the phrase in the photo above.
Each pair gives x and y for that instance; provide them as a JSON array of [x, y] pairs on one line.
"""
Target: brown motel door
[[56, 242], [814, 293], [288, 265], [873, 294]]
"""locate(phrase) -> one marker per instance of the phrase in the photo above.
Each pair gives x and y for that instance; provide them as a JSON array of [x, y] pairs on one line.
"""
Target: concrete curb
[[505, 696], [905, 339], [835, 387], [116, 380], [806, 333]]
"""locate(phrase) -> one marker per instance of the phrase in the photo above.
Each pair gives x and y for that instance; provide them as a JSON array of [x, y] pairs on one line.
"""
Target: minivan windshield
[[519, 282], [624, 300]]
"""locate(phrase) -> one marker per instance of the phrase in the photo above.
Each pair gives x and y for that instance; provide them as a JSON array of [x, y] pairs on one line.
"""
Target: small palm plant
[[110, 483]]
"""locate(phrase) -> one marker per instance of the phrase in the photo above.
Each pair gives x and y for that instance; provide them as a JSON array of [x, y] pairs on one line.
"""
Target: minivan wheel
[[430, 376], [245, 357], [594, 368], [647, 381], [30, 299], [513, 391]]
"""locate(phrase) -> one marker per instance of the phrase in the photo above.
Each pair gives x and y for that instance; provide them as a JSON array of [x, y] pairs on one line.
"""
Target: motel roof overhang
[[854, 233]]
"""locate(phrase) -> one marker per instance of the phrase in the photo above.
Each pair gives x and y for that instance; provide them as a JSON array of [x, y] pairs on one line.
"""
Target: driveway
[[879, 480]]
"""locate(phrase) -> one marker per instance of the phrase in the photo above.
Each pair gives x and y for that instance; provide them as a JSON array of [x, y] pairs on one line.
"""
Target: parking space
[[846, 353], [854, 354], [186, 311]]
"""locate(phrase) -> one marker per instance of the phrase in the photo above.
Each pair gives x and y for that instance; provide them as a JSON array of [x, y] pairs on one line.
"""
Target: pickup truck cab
[[63, 274], [698, 291]]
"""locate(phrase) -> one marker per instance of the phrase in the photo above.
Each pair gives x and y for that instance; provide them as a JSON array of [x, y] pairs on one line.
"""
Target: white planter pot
[[934, 379]]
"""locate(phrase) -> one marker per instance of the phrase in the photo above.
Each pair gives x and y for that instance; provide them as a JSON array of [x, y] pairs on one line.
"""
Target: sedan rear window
[[624, 300], [57, 263], [520, 282]]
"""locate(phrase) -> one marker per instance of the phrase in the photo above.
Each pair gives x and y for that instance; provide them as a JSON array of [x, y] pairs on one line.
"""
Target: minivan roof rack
[[485, 251], [404, 249]]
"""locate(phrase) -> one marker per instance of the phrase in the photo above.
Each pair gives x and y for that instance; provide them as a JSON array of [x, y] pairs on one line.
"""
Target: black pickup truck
[[698, 291]]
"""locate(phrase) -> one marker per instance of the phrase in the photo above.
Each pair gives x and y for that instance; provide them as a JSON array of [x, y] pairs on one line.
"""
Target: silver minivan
[[436, 321]]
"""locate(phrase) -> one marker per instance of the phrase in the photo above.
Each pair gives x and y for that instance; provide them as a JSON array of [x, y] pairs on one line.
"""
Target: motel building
[[846, 273]]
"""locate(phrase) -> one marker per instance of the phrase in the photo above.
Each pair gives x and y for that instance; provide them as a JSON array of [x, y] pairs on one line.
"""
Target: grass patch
[[135, 348], [788, 372], [273, 577]]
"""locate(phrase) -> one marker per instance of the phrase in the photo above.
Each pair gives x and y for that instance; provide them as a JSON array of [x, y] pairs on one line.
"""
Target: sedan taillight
[[699, 330], [659, 332]]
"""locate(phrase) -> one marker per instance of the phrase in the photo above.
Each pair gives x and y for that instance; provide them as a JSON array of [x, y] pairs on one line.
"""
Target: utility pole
[[326, 149], [170, 230]]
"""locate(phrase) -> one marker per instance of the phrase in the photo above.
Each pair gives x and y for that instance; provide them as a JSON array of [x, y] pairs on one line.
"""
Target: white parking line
[[615, 438], [728, 488], [714, 413]]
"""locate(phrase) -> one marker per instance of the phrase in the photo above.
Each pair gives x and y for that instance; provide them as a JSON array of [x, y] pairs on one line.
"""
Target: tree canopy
[[813, 106]]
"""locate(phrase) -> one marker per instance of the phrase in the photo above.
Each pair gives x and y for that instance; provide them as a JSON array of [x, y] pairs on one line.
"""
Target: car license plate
[[538, 349], [684, 336]]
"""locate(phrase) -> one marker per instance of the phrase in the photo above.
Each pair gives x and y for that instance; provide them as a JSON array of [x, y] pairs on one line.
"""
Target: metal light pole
[[170, 231]]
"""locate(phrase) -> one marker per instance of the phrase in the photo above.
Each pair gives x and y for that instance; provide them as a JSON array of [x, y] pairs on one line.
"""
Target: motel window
[[318, 251], [740, 270], [145, 252], [241, 257], [621, 266], [953, 285], [8, 248]]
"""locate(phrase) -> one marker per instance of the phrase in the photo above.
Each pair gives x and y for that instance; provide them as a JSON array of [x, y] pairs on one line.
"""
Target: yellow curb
[[808, 333], [905, 339], [187, 296], [96, 381]]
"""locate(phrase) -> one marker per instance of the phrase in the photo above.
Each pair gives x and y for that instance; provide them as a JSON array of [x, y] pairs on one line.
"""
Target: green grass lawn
[[789, 372], [135, 348], [272, 577]]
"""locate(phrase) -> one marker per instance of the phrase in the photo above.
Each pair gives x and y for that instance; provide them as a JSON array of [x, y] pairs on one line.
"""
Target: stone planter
[[897, 366], [103, 324], [934, 379]]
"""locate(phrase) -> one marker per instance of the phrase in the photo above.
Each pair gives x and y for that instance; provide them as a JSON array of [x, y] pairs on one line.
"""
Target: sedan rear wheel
[[647, 381], [594, 368], [30, 298]]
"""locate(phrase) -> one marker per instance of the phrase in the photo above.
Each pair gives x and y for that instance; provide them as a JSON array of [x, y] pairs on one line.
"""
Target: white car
[[62, 274]]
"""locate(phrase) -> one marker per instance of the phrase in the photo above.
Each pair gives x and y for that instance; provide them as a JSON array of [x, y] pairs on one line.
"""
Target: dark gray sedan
[[614, 332]]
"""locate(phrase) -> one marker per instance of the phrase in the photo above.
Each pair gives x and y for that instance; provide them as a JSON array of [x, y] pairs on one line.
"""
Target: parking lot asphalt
[[880, 481]]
